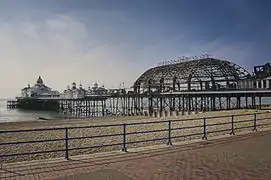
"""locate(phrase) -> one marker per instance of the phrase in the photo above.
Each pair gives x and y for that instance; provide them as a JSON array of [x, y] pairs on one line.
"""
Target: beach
[[87, 132]]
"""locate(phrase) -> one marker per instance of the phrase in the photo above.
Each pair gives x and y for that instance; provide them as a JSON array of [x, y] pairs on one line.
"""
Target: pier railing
[[169, 132]]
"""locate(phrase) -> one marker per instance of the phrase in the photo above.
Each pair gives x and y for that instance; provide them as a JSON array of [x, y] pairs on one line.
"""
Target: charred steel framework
[[164, 104], [200, 85], [205, 84], [201, 74]]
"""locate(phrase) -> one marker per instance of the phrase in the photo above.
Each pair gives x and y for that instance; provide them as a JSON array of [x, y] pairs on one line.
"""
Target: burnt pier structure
[[173, 88], [164, 104]]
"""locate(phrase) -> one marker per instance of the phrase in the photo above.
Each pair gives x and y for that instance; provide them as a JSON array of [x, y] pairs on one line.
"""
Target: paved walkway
[[237, 157]]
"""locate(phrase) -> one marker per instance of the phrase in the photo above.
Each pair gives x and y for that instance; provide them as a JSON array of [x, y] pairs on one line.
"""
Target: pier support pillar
[[260, 102]]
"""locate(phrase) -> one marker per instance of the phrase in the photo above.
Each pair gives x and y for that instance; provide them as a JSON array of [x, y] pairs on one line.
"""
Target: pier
[[164, 104], [170, 89], [154, 104], [12, 104]]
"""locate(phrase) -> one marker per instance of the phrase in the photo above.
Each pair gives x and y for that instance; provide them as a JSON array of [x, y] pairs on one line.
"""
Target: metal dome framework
[[200, 74]]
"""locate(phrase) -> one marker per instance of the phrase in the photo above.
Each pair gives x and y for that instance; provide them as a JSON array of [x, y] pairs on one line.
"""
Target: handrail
[[125, 133]]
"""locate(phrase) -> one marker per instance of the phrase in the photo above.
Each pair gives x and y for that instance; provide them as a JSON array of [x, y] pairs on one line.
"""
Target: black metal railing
[[204, 130]]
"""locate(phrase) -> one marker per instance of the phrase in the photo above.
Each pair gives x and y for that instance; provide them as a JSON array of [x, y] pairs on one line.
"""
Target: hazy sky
[[111, 41]]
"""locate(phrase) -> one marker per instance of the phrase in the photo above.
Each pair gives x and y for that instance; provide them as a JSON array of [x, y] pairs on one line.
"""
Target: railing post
[[1, 159], [204, 129], [124, 149], [1, 162], [255, 122], [66, 143], [169, 143], [232, 125]]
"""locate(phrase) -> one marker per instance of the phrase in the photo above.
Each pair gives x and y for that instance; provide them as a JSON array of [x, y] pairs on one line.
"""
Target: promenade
[[246, 156]]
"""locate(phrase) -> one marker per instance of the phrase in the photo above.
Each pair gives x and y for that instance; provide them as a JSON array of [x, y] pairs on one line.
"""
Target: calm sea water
[[16, 115]]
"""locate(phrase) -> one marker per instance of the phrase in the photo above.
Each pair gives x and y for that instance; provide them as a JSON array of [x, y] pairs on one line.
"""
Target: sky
[[115, 41]]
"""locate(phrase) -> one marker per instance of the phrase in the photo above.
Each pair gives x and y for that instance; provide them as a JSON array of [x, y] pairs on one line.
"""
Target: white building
[[255, 83], [39, 90], [74, 92], [96, 90]]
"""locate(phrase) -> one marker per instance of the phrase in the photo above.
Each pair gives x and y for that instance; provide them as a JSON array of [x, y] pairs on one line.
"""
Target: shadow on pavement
[[108, 174]]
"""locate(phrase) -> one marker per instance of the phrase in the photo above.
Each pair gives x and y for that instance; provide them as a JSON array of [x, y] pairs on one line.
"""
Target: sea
[[17, 115]]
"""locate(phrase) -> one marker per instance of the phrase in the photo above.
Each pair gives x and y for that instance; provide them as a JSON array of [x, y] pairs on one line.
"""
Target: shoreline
[[60, 122]]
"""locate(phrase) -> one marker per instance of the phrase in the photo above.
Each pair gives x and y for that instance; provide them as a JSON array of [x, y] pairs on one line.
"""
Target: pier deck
[[12, 104], [148, 104]]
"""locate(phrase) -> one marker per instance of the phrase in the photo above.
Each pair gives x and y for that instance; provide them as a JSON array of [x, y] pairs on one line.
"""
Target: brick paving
[[238, 157]]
